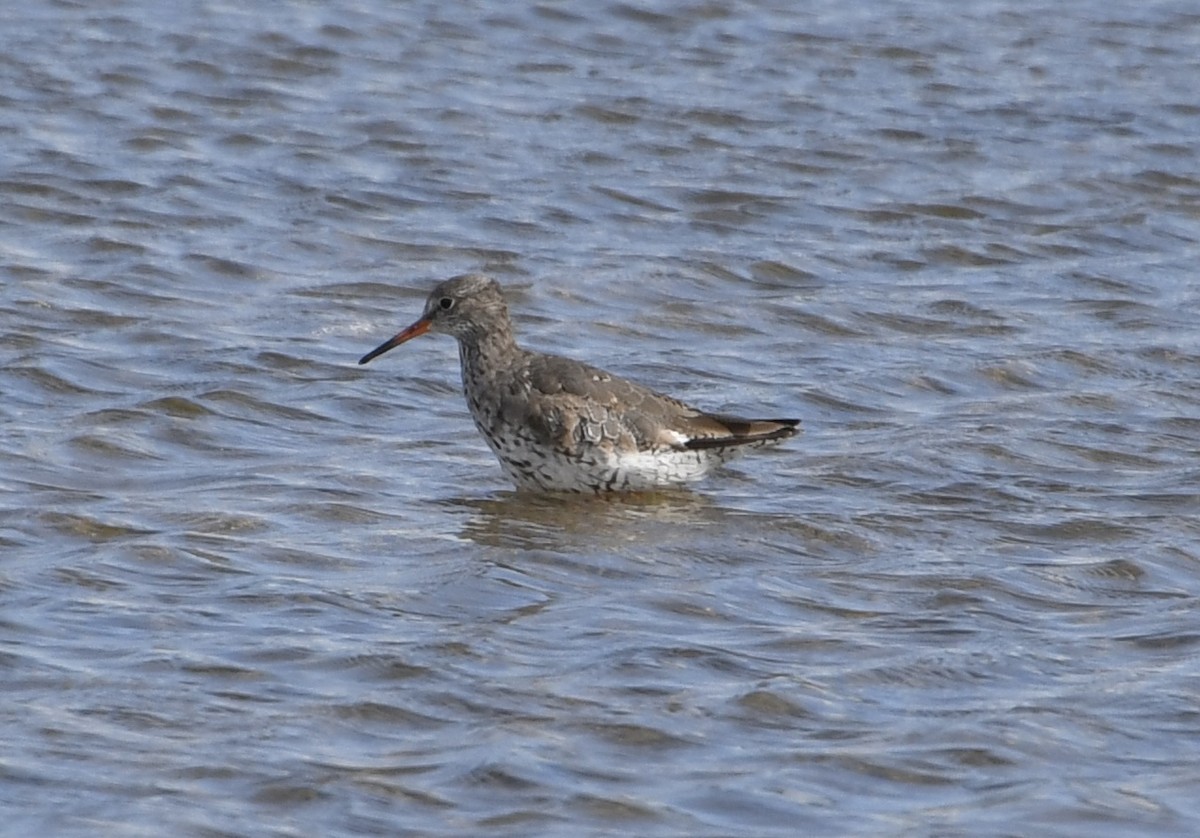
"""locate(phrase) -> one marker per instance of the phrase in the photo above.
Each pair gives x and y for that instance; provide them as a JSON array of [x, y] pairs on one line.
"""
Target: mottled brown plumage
[[563, 425]]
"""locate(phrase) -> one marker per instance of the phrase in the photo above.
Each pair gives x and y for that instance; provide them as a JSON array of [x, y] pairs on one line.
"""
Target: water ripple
[[247, 581]]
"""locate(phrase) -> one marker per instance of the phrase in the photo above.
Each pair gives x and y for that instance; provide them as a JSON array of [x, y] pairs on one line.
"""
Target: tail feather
[[731, 430]]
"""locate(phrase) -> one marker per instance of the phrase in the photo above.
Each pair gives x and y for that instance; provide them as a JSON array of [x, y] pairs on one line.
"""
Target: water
[[248, 587]]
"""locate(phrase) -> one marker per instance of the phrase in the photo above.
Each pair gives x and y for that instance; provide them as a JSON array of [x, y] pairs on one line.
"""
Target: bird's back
[[555, 421]]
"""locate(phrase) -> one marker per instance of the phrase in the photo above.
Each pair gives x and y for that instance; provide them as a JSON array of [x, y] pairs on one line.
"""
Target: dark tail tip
[[747, 432]]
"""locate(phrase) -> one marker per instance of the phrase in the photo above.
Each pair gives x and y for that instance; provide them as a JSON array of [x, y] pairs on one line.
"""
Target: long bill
[[415, 330]]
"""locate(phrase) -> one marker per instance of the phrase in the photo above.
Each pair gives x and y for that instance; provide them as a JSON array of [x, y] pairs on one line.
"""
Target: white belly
[[596, 469]]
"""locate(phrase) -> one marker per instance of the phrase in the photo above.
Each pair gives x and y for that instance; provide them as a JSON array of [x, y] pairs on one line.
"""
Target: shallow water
[[248, 587]]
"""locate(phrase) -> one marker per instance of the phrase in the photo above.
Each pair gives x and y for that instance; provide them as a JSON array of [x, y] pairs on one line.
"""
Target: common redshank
[[561, 425]]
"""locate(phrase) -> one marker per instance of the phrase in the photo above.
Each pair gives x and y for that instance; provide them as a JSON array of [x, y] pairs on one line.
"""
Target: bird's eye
[[446, 303]]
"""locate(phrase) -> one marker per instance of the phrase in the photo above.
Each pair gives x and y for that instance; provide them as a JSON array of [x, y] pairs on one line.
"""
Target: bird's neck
[[487, 355]]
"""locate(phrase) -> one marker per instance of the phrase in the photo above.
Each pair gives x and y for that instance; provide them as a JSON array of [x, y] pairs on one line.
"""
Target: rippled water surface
[[249, 587]]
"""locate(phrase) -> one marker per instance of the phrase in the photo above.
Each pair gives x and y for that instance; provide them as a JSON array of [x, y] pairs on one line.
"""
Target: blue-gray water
[[250, 588]]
